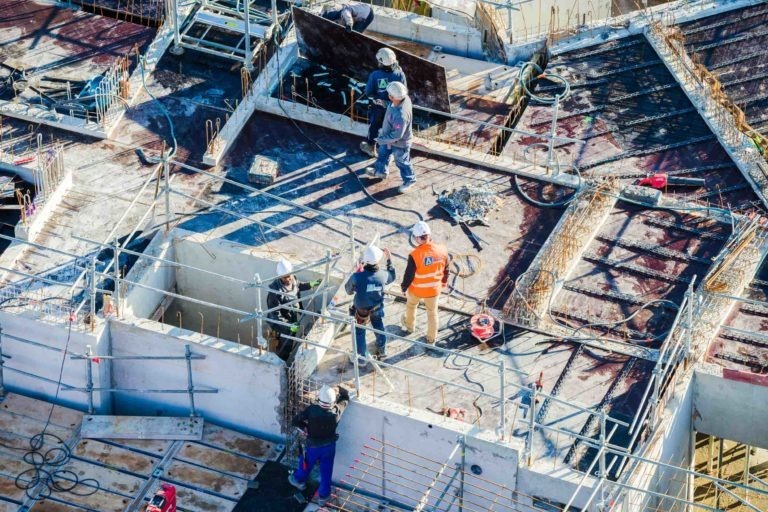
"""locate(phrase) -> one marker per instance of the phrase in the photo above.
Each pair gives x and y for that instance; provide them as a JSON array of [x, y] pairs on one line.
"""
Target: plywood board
[[40, 410], [197, 501], [141, 427], [329, 44], [230, 440], [206, 479], [219, 460], [115, 456]]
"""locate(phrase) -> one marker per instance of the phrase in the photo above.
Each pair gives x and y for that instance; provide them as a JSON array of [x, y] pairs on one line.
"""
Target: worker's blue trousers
[[323, 454], [402, 161], [377, 322]]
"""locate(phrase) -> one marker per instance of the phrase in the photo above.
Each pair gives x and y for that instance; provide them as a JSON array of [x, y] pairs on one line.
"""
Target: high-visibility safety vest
[[431, 260]]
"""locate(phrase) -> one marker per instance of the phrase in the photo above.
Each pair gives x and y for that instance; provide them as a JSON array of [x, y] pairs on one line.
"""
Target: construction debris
[[469, 203]]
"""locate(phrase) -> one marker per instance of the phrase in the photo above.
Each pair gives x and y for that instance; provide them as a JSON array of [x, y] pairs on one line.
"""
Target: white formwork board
[[141, 427]]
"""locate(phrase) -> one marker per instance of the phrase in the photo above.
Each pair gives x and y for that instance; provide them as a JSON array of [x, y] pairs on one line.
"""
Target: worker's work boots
[[299, 485], [369, 149]]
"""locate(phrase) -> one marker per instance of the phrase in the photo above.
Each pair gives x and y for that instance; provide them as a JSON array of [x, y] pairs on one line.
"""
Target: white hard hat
[[386, 57], [397, 90], [326, 397], [421, 228], [284, 267], [372, 255]]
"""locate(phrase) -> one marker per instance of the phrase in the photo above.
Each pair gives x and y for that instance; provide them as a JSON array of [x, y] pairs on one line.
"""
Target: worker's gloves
[[315, 283], [294, 328], [380, 102], [349, 28]]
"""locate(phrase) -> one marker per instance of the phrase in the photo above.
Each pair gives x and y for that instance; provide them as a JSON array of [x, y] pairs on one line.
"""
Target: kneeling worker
[[318, 422], [368, 287], [352, 15]]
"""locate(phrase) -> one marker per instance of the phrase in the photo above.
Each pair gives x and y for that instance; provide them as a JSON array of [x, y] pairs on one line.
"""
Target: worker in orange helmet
[[426, 274]]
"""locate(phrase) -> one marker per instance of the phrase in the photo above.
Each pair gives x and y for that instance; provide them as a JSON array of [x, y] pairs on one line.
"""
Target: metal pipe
[[167, 187], [93, 293], [89, 377], [531, 426], [262, 342], [2, 363], [502, 400], [190, 385], [116, 256], [355, 355], [719, 470]]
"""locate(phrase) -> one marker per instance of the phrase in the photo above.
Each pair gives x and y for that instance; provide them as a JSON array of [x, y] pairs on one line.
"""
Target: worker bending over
[[376, 90], [318, 424], [368, 286], [352, 15], [426, 274], [395, 138], [282, 291]]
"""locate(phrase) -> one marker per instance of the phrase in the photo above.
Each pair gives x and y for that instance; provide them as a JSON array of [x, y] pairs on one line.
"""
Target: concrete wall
[[37, 360], [250, 385], [455, 38], [670, 444], [140, 302], [532, 18], [430, 436], [728, 408]]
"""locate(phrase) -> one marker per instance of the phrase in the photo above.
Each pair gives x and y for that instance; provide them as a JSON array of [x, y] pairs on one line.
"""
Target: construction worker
[[395, 138], [283, 290], [318, 424], [352, 15], [368, 286], [426, 274], [376, 90]]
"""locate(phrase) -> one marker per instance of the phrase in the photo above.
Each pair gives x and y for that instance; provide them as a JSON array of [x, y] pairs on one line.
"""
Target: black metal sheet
[[329, 44]]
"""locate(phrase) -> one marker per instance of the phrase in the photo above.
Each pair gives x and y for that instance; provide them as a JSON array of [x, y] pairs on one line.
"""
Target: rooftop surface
[[624, 103]]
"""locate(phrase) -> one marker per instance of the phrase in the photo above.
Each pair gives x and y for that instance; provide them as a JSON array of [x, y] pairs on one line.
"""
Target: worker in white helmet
[[318, 423], [352, 15], [368, 286], [376, 90], [395, 138], [426, 274], [286, 290]]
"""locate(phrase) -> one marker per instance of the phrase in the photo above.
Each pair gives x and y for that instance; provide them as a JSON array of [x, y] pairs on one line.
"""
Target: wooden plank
[[39, 410], [202, 478], [54, 506], [329, 44], [194, 501], [6, 506], [226, 439], [115, 487], [115, 456], [24, 426], [142, 427], [219, 460]]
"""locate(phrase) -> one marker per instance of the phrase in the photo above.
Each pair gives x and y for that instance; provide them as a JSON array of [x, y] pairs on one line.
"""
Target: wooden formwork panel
[[198, 501], [207, 479], [115, 456], [149, 446], [24, 426], [53, 506], [116, 488], [230, 440], [327, 43], [8, 507], [219, 460], [40, 410]]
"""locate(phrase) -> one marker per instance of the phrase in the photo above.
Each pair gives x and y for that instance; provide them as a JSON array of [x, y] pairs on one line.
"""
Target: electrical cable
[[46, 471]]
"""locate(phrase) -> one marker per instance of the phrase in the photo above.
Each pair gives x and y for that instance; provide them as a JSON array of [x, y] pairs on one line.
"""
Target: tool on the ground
[[482, 326], [164, 500], [661, 180]]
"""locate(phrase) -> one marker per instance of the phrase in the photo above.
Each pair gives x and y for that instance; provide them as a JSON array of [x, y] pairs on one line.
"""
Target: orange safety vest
[[431, 260]]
